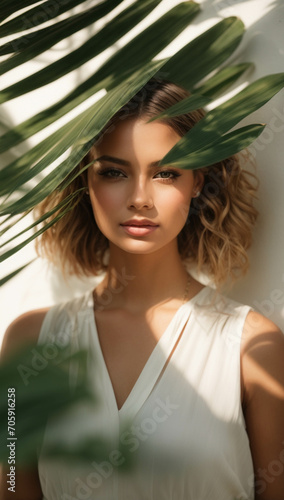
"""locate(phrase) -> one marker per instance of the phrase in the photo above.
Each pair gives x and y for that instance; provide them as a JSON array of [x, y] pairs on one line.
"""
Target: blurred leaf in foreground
[[37, 385]]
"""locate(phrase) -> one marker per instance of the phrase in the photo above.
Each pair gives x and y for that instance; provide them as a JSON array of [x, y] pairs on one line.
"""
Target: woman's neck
[[137, 282]]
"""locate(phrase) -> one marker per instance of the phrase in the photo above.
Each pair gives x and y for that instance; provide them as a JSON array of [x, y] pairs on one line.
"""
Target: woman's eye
[[111, 172], [168, 174]]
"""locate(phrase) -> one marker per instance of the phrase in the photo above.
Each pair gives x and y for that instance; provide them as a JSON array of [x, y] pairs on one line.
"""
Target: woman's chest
[[126, 344]]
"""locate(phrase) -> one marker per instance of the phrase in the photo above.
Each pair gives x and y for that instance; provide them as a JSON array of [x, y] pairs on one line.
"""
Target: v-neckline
[[155, 362]]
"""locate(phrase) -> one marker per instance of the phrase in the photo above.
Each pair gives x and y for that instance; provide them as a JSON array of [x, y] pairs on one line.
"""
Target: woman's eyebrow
[[119, 161]]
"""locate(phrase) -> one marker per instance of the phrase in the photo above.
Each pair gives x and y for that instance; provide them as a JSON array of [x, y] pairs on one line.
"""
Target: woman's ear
[[198, 181]]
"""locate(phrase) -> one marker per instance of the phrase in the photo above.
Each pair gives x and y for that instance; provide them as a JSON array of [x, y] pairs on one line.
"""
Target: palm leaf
[[45, 12], [122, 64], [191, 103], [14, 273], [8, 8], [66, 203], [222, 118], [205, 53], [227, 145], [223, 79], [95, 45], [42, 389], [48, 214], [47, 37]]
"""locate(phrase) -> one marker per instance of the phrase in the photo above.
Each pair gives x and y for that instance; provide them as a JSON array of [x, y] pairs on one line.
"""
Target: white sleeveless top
[[181, 427]]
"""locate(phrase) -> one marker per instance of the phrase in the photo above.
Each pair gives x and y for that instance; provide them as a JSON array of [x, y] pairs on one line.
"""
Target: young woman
[[199, 376]]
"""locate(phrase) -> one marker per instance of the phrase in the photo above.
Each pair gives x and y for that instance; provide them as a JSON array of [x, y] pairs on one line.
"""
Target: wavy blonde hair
[[218, 229]]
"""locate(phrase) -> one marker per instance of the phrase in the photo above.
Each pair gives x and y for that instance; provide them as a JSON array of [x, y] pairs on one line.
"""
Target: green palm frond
[[123, 63], [39, 379], [14, 273], [40, 41], [222, 118]]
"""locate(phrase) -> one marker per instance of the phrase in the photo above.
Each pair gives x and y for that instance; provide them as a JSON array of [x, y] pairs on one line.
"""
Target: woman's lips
[[139, 230]]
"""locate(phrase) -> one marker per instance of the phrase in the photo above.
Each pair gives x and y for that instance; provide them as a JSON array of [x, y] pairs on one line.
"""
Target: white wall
[[263, 287]]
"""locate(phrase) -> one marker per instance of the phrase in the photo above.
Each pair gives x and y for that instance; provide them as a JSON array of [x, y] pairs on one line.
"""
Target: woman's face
[[126, 186]]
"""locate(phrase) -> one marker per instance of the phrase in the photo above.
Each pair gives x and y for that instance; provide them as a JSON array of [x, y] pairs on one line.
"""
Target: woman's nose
[[141, 194]]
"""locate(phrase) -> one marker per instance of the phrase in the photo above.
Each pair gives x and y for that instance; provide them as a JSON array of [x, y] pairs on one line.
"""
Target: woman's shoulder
[[23, 330], [258, 329], [262, 354], [262, 375], [27, 327], [218, 305]]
